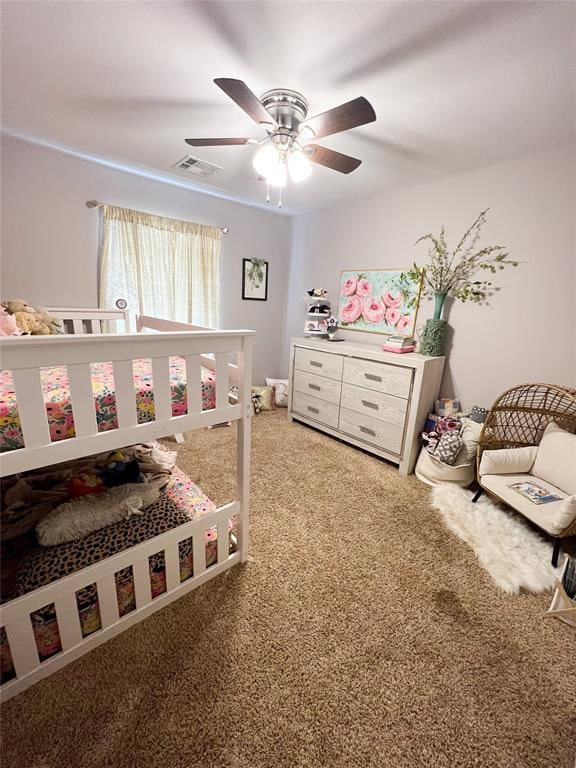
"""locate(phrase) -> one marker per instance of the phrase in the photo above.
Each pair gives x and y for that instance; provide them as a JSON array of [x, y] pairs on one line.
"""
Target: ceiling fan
[[286, 150]]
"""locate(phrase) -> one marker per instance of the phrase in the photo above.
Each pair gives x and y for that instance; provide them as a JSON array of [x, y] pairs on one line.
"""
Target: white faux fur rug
[[515, 555]]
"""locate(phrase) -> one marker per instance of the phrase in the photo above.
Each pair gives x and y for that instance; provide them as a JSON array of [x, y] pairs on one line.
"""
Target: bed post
[[243, 444]]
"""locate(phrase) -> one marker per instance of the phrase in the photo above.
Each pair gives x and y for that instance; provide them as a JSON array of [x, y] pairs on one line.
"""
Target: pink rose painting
[[403, 325], [379, 301], [392, 301], [352, 310], [373, 310], [349, 287], [364, 288]]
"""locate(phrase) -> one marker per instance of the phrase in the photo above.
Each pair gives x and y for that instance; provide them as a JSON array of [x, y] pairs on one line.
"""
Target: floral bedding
[[181, 502], [56, 389]]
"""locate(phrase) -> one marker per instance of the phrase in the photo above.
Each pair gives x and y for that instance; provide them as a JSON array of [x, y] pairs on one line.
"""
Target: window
[[162, 267]]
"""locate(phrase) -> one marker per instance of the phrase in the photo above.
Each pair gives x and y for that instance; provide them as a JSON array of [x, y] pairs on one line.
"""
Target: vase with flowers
[[451, 273]]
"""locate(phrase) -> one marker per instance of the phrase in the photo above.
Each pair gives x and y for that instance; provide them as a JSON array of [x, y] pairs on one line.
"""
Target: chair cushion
[[556, 459], [504, 461], [550, 517]]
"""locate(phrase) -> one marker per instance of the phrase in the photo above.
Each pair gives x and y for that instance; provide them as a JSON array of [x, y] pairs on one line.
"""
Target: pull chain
[[280, 197], [267, 192]]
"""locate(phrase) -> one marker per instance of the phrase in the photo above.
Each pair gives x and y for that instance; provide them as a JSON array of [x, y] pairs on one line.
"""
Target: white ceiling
[[455, 85]]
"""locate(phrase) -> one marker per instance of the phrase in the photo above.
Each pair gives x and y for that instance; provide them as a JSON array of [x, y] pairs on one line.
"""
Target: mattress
[[56, 390], [181, 502]]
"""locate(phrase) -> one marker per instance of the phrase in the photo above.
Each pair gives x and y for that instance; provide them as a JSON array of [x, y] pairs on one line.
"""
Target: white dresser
[[356, 392]]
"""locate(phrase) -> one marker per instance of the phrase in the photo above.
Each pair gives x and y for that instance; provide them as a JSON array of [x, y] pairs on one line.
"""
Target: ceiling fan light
[[265, 160], [270, 164], [279, 175], [299, 167]]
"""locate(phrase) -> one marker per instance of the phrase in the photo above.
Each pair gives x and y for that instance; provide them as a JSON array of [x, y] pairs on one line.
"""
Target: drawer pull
[[367, 430], [368, 404], [373, 377], [312, 410], [316, 363], [314, 386]]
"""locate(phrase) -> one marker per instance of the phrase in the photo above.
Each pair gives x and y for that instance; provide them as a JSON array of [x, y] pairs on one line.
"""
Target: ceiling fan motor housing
[[289, 109]]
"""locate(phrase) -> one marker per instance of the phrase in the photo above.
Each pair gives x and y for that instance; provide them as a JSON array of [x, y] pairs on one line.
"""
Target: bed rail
[[15, 616], [25, 356], [91, 320]]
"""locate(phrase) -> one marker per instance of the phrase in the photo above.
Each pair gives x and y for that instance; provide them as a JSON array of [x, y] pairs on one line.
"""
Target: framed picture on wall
[[379, 301], [254, 279]]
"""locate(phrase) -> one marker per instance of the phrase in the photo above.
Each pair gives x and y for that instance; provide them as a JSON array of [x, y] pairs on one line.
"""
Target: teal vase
[[439, 299], [434, 336]]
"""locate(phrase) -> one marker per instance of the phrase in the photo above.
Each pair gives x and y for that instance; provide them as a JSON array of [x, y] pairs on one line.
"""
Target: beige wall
[[50, 238], [529, 331]]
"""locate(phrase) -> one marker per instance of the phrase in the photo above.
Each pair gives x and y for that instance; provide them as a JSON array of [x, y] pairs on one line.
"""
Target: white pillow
[[281, 391], [470, 435], [566, 514], [556, 459], [508, 461]]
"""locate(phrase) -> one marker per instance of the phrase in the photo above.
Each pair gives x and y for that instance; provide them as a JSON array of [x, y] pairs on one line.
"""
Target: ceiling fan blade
[[332, 159], [350, 115], [239, 92], [215, 142]]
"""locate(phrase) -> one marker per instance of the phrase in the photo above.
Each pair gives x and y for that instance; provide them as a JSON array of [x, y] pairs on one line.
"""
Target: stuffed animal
[[54, 324], [118, 471], [8, 325], [27, 318], [86, 484]]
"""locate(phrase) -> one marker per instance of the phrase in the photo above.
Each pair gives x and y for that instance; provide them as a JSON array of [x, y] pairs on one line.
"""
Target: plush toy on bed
[[54, 324], [27, 318], [8, 325]]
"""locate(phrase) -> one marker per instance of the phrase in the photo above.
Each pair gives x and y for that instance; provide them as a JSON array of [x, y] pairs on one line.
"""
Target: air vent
[[197, 167]]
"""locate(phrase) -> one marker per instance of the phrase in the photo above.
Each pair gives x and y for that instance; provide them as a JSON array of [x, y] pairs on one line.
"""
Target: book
[[534, 492], [397, 350], [400, 341]]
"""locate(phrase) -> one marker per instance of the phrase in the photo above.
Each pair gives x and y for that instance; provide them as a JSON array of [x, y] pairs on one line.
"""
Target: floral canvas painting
[[379, 301]]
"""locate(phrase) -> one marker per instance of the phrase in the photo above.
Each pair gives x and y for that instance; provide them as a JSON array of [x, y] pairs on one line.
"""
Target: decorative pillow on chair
[[566, 513], [556, 459], [508, 461], [281, 391]]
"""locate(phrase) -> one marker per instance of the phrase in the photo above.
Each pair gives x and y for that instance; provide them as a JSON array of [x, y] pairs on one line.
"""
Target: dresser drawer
[[392, 379], [320, 363], [382, 434], [379, 405], [317, 386], [313, 408]]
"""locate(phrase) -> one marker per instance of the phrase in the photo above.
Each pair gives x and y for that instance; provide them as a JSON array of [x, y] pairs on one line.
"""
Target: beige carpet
[[362, 634]]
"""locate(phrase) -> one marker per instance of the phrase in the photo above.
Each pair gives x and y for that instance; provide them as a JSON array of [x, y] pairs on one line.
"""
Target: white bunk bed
[[88, 343]]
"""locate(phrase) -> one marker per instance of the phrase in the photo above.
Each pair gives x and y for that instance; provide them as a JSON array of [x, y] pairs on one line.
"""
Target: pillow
[[75, 519], [281, 391], [266, 395], [448, 448], [470, 435], [566, 513], [556, 459], [507, 461]]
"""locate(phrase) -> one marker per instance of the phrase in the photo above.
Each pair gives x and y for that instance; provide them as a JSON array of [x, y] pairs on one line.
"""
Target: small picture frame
[[254, 279]]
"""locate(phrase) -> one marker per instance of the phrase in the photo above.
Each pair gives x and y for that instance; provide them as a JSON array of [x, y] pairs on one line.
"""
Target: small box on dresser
[[362, 395]]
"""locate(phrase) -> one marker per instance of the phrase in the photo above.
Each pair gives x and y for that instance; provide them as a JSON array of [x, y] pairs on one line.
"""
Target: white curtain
[[162, 267]]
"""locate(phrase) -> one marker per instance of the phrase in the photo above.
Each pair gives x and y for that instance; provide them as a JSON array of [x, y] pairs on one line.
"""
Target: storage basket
[[433, 472]]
